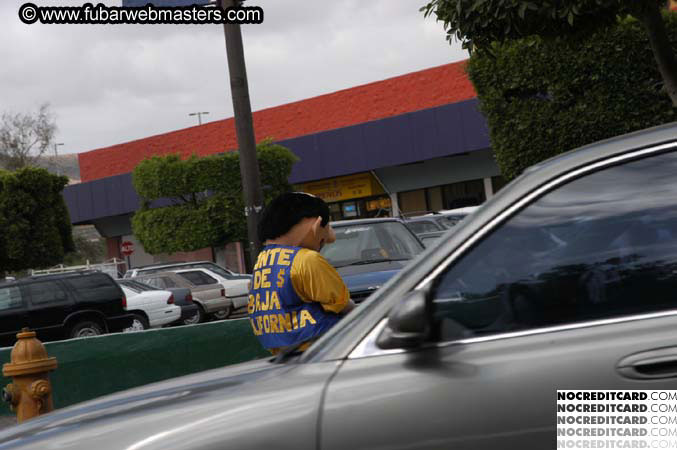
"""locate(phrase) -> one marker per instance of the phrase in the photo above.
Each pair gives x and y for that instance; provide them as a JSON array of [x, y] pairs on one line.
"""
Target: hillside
[[63, 164]]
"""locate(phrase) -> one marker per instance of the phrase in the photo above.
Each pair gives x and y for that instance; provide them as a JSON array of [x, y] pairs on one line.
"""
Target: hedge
[[208, 207], [544, 97]]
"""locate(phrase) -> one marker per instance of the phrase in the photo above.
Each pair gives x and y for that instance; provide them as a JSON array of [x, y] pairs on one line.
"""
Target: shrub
[[544, 97], [208, 207]]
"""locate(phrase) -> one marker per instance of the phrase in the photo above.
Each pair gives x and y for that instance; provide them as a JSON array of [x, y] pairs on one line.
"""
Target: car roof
[[170, 264], [458, 211], [154, 274], [53, 276], [428, 234], [344, 223], [428, 218], [192, 269]]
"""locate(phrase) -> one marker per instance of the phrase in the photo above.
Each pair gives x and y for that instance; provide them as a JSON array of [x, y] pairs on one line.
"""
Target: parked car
[[150, 309], [449, 218], [565, 279], [183, 298], [219, 271], [430, 238], [68, 305], [209, 298], [438, 221], [236, 292], [368, 252], [424, 224]]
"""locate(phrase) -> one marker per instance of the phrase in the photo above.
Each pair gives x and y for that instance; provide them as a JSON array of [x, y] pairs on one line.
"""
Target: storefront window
[[378, 206], [465, 193], [335, 211], [413, 202], [351, 210], [449, 196], [435, 199]]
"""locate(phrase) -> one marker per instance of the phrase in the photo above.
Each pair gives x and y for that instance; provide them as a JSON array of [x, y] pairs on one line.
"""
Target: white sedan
[[151, 309]]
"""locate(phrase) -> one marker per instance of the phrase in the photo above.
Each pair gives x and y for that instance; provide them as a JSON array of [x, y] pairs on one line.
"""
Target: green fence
[[92, 367]]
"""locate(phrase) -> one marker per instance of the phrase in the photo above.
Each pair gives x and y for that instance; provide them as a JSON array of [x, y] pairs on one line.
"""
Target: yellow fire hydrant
[[30, 394]]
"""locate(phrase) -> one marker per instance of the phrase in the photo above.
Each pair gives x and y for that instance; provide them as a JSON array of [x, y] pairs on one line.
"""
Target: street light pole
[[244, 128], [199, 116], [56, 155]]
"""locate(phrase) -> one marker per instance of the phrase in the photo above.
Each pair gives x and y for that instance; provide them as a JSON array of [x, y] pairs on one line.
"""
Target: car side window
[[45, 292], [95, 287], [168, 282], [198, 278], [152, 281], [601, 246], [10, 298]]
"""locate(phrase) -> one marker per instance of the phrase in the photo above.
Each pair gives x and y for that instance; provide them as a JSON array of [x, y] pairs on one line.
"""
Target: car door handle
[[653, 364]]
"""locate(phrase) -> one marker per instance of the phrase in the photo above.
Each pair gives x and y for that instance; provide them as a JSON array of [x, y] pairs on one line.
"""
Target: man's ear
[[317, 226], [331, 235]]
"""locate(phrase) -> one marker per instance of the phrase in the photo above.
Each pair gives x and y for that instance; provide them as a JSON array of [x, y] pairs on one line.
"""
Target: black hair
[[289, 209]]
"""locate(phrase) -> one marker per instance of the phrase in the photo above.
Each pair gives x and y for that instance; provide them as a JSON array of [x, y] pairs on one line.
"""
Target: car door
[[575, 289], [48, 306], [13, 314]]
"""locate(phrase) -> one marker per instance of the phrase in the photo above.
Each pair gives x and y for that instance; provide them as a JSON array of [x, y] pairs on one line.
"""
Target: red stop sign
[[127, 248]]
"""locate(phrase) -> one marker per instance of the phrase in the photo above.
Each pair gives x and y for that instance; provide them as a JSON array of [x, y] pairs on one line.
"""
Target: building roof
[[382, 99]]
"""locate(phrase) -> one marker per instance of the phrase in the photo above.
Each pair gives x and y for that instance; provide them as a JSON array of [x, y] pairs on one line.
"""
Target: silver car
[[207, 292], [566, 279]]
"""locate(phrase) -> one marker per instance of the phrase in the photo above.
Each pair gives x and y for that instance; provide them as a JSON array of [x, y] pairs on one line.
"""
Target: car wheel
[[139, 323], [86, 328], [222, 314], [198, 317]]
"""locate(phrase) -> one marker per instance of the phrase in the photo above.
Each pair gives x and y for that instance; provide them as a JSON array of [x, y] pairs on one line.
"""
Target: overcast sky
[[113, 84]]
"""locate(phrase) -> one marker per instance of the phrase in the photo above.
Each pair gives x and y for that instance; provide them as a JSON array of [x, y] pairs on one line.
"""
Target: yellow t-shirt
[[315, 280]]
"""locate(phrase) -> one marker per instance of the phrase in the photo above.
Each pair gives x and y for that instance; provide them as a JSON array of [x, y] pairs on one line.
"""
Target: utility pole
[[244, 128], [199, 116], [56, 156]]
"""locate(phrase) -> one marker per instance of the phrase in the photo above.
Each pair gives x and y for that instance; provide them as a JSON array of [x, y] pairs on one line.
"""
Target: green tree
[[205, 207], [35, 228], [479, 23], [542, 97]]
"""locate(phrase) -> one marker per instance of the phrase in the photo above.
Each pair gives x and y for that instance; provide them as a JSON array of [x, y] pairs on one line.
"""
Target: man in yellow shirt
[[296, 294]]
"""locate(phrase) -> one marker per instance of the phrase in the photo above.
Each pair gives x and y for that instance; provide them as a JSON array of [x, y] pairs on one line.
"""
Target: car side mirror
[[408, 323]]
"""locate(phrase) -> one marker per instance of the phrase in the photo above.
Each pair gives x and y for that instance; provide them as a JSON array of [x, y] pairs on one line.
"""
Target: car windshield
[[371, 242], [423, 226], [450, 221]]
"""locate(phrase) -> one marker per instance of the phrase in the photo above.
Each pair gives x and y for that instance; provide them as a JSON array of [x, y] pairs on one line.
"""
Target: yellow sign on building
[[344, 188]]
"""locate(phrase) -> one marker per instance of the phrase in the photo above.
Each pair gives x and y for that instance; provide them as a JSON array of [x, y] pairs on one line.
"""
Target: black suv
[[74, 304]]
